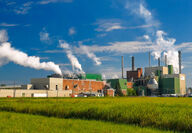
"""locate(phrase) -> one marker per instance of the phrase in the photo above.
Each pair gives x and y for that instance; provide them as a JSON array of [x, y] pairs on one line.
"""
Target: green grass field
[[174, 114], [26, 123]]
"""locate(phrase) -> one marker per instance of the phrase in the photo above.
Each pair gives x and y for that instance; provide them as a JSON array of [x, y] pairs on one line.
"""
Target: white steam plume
[[74, 61], [8, 53], [90, 54], [167, 47], [161, 45]]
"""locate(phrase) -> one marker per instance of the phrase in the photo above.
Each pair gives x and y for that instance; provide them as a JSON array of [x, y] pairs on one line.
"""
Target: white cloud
[[44, 36], [143, 26], [144, 12], [146, 37], [44, 2], [119, 47], [109, 72], [107, 27], [7, 25], [72, 31], [24, 8], [138, 8], [185, 47], [115, 47]]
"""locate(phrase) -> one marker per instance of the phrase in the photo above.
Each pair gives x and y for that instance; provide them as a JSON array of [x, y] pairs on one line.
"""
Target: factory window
[[66, 87]]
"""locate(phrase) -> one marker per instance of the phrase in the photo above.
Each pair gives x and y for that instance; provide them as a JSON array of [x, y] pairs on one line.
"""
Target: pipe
[[159, 62], [166, 60], [179, 54], [133, 63], [122, 66], [149, 59]]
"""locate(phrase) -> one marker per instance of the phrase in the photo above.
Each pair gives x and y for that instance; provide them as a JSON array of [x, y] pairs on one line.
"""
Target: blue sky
[[107, 29]]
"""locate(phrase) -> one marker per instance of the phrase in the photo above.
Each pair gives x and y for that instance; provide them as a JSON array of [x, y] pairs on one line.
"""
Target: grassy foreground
[[25, 123], [164, 113]]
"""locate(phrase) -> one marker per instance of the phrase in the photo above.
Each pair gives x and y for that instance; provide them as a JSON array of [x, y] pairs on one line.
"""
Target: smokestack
[[133, 63], [166, 60], [159, 62], [122, 66], [149, 59], [179, 54]]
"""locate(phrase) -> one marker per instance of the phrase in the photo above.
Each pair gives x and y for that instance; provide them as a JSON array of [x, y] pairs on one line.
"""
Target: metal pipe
[[149, 59], [133, 63], [166, 60], [159, 62], [122, 66], [179, 54]]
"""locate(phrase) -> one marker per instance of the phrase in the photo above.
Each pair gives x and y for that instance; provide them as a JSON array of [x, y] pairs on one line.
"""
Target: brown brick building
[[136, 74], [78, 86]]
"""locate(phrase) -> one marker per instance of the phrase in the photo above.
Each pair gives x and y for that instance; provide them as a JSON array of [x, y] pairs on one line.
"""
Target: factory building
[[154, 70], [91, 83], [158, 80], [58, 86], [173, 83], [134, 74], [168, 82], [80, 86], [47, 84], [120, 85]]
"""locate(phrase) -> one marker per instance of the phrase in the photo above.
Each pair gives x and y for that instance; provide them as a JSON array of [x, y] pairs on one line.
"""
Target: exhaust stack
[[122, 66], [166, 60], [179, 54], [159, 62], [149, 59], [133, 63]]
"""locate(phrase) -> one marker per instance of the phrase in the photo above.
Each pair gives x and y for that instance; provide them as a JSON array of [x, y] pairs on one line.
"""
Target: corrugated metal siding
[[97, 77], [118, 83], [123, 83], [170, 69], [170, 86]]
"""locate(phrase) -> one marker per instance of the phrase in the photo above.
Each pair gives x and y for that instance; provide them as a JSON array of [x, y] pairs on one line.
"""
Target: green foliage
[[26, 123], [163, 113], [131, 92]]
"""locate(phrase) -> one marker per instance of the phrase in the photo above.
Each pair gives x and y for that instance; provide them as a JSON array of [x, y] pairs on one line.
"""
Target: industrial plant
[[154, 81]]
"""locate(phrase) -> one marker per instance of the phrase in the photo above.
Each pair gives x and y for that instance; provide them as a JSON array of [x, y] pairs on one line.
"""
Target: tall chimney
[[133, 63], [122, 66], [149, 59], [179, 53], [159, 62], [166, 60]]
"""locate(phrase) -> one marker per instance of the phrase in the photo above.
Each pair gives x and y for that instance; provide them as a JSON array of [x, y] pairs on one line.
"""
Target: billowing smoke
[[161, 46], [76, 66], [167, 47], [90, 54], [8, 53]]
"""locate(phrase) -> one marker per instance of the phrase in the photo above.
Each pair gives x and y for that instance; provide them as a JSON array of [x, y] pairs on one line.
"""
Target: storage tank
[[152, 84]]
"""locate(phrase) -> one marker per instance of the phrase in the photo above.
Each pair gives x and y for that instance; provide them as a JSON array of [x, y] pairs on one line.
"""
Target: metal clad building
[[47, 83], [182, 83], [150, 70]]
